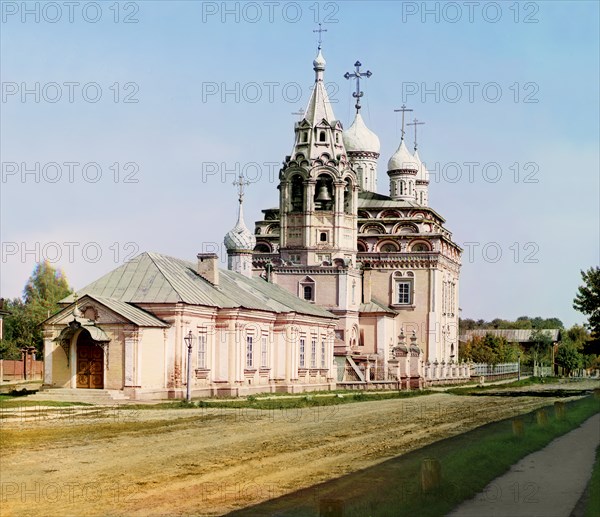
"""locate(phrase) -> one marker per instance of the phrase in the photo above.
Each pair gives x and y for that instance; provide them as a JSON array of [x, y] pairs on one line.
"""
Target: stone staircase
[[100, 397]]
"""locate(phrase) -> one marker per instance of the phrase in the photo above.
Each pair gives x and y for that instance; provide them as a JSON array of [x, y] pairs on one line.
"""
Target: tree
[[587, 301], [569, 357], [541, 343], [44, 289], [489, 349]]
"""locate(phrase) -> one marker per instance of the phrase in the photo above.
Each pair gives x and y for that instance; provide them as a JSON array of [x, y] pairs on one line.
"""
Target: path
[[546, 483]]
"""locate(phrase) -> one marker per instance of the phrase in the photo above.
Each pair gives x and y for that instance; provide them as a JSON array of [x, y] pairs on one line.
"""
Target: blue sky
[[530, 128]]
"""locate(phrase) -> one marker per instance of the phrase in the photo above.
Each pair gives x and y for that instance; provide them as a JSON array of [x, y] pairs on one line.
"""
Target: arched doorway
[[90, 362]]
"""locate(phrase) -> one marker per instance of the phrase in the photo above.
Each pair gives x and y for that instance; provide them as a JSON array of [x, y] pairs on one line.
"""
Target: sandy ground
[[207, 462]]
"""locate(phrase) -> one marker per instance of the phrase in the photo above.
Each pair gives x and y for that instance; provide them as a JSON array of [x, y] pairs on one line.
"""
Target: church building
[[384, 264], [339, 285]]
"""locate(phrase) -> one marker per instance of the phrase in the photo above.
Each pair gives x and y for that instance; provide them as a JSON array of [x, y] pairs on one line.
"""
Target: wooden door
[[90, 365]]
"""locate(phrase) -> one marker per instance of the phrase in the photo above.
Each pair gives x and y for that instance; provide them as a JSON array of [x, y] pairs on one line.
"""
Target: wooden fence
[[11, 371]]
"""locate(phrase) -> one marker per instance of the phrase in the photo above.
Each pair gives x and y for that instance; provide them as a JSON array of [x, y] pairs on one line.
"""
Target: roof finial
[[357, 75], [76, 311], [415, 123], [403, 109], [300, 112], [320, 30], [241, 183]]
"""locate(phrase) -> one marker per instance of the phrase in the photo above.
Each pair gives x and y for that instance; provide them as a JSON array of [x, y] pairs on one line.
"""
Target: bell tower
[[318, 189]]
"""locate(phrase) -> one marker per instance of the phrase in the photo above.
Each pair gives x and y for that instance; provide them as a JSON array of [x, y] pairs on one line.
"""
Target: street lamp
[[188, 341], [519, 365]]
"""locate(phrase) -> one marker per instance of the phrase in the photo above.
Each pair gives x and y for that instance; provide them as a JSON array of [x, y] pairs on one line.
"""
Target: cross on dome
[[402, 109], [241, 183], [320, 30], [357, 75], [415, 123]]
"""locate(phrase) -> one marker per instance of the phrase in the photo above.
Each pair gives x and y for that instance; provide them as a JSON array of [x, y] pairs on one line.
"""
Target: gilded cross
[[415, 123], [357, 75], [403, 109]]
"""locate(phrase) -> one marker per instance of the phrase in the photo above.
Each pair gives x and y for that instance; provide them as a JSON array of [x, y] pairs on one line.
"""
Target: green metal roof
[[375, 306], [155, 278], [134, 314], [130, 312], [373, 200]]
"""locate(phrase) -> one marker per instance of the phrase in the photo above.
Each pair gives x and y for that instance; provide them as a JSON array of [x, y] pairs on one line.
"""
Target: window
[[323, 236], [262, 248], [313, 353], [403, 290], [202, 351], [308, 292], [249, 352], [264, 356], [295, 259], [306, 289], [297, 197], [304, 136], [323, 358], [322, 136], [301, 352], [389, 248]]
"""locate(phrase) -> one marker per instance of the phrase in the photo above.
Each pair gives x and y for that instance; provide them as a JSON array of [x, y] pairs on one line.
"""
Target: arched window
[[308, 292], [420, 247], [389, 247], [324, 196], [306, 289], [297, 198], [262, 248], [322, 137], [348, 196]]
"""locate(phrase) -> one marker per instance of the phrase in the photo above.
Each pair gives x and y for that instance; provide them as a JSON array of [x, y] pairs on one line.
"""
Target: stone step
[[101, 396]]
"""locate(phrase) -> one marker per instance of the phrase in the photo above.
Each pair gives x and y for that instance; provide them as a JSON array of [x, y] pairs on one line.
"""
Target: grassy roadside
[[529, 381], [593, 503], [286, 401], [10, 401], [468, 463]]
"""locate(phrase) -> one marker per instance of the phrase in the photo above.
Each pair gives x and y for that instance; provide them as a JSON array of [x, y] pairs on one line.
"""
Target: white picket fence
[[484, 369]]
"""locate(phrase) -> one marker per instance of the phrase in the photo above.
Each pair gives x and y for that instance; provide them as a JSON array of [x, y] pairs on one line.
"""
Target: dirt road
[[208, 462], [548, 482]]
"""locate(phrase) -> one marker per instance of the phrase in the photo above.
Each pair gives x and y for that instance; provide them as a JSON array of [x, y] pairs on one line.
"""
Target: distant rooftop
[[511, 335]]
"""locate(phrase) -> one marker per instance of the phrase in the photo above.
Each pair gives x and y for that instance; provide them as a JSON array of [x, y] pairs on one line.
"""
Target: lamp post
[[188, 341], [519, 365]]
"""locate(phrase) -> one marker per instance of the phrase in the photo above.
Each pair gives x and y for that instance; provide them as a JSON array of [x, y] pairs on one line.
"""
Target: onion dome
[[319, 62], [239, 238], [359, 138], [422, 172], [402, 160]]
